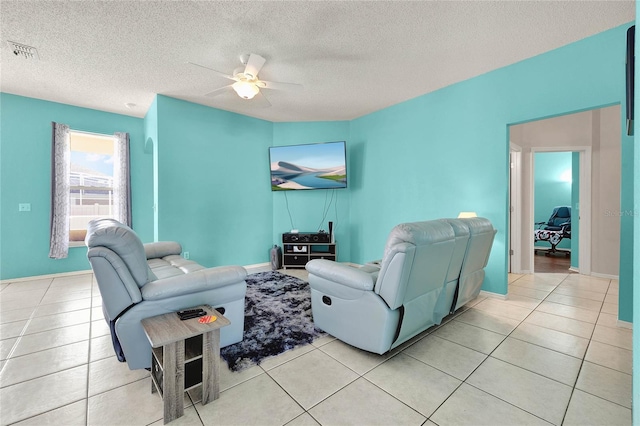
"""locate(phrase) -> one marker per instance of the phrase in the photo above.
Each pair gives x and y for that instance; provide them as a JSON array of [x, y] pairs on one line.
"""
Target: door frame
[[584, 204], [515, 208]]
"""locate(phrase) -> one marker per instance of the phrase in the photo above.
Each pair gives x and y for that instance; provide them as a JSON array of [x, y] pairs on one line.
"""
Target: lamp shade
[[467, 214], [245, 90]]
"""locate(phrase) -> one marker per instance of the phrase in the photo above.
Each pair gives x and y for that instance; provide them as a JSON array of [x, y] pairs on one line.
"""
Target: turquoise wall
[[432, 156], [311, 210], [549, 188], [423, 159], [575, 209], [447, 151], [634, 279], [25, 174], [212, 182]]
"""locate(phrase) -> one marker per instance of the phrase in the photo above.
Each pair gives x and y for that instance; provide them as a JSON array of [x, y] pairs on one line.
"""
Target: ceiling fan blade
[[279, 86], [261, 100], [219, 91], [254, 65], [221, 74]]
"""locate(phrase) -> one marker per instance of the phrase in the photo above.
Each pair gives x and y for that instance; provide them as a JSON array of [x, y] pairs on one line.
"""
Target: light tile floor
[[552, 353]]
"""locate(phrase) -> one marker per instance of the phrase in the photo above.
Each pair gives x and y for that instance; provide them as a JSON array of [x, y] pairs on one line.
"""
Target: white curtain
[[122, 179], [59, 223]]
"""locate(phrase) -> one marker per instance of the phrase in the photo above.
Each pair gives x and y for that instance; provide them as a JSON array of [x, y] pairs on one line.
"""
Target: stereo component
[[306, 237]]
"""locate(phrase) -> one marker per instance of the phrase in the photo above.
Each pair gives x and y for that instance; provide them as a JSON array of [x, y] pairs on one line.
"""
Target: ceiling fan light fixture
[[245, 89]]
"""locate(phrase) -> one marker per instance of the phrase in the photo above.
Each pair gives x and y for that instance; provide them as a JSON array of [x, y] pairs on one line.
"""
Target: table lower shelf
[[192, 375], [192, 364]]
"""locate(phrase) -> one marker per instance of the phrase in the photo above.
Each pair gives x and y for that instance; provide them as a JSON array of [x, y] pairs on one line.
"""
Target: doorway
[[595, 136], [555, 195]]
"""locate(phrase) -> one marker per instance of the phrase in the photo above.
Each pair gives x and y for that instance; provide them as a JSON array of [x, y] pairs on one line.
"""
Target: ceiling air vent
[[23, 51]]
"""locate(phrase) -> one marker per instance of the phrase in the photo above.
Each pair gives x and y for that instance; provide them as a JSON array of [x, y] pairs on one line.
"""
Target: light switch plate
[[24, 207]]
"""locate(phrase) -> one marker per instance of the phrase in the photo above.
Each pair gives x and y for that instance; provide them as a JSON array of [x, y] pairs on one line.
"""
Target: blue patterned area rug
[[277, 319]]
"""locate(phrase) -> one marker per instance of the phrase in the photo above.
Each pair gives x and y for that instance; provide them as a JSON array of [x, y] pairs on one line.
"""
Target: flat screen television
[[309, 166]]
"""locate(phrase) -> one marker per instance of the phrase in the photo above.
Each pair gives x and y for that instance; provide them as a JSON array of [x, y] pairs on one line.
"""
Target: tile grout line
[[294, 399], [476, 368], [503, 340], [86, 406], [362, 376], [454, 317], [582, 363], [573, 388], [24, 329], [49, 374], [583, 358]]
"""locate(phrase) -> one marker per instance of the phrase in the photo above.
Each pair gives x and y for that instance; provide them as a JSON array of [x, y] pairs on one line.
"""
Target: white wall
[[599, 129], [605, 209]]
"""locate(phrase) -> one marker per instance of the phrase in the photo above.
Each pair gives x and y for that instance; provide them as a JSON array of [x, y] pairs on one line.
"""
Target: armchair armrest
[[341, 274], [161, 249], [372, 268], [120, 269], [194, 282]]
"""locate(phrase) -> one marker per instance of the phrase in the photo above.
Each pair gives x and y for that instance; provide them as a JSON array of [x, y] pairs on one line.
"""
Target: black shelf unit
[[296, 255]]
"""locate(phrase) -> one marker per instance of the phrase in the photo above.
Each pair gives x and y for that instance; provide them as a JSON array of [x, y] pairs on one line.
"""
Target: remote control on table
[[191, 313]]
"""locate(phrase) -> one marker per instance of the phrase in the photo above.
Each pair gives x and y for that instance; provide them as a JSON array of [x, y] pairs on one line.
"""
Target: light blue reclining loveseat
[[138, 281], [429, 269]]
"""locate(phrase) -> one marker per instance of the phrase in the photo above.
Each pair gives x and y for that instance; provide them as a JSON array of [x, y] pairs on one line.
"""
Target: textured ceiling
[[352, 57]]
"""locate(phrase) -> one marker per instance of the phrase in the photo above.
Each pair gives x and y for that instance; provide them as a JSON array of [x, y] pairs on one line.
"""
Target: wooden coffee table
[[185, 354]]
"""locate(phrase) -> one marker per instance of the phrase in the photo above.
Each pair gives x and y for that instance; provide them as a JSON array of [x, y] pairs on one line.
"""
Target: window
[[91, 186], [89, 180]]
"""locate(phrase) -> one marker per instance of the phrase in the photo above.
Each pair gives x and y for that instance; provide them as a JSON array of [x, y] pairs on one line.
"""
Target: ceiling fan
[[247, 84]]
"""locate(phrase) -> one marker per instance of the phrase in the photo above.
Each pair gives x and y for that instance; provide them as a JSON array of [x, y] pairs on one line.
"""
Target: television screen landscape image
[[311, 166]]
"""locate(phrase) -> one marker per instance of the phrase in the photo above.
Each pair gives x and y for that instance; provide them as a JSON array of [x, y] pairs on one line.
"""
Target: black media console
[[299, 248]]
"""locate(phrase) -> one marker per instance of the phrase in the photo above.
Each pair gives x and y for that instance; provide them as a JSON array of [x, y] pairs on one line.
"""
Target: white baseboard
[[607, 276], [492, 294], [625, 324], [577, 271], [41, 277], [258, 267], [522, 272]]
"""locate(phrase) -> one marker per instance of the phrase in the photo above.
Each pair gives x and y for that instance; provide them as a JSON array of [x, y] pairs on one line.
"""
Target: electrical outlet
[[24, 207], [185, 255]]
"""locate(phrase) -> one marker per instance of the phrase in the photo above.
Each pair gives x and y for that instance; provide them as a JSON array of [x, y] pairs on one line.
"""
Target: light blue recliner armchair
[[138, 281], [416, 284]]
